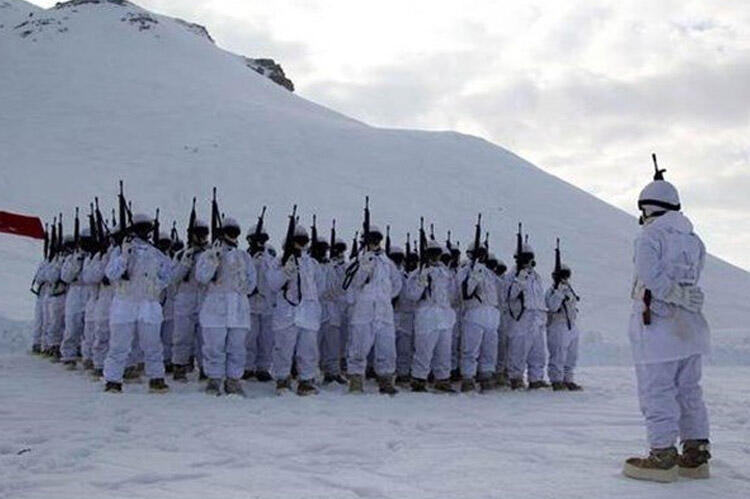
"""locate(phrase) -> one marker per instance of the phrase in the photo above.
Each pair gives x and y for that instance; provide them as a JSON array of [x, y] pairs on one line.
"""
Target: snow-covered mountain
[[96, 91]]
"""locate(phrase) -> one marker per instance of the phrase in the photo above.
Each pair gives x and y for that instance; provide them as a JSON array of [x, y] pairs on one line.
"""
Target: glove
[[523, 275], [424, 279], [290, 268], [688, 297], [368, 263]]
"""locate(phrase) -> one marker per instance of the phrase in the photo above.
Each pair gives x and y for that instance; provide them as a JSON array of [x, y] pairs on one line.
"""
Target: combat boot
[[693, 463], [444, 386], [486, 383], [385, 385], [157, 385], [659, 466], [113, 387], [180, 373], [69, 365], [263, 376], [306, 387], [418, 385], [54, 353], [233, 387], [283, 385], [356, 384], [573, 387], [36, 349], [248, 374], [97, 374], [501, 380], [468, 385], [403, 380], [88, 365], [536, 385], [517, 384], [334, 378], [213, 387], [559, 386]]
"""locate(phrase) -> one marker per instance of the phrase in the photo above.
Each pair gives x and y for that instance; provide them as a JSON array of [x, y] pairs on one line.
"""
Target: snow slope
[[97, 92], [63, 437]]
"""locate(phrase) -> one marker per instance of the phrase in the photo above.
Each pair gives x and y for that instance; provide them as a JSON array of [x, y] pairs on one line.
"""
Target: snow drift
[[93, 92]]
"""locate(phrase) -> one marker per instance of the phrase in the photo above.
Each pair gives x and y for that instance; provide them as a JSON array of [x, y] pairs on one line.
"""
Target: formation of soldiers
[[130, 300]]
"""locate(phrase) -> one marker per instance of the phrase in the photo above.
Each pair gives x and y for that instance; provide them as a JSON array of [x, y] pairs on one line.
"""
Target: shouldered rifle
[[77, 230], [53, 241], [487, 242], [100, 227], [173, 233], [387, 239], [157, 228], [355, 246], [432, 232], [259, 226], [448, 243], [658, 174], [215, 218], [59, 232], [314, 233], [333, 238], [366, 223], [46, 241], [477, 240], [408, 247], [558, 265], [519, 247], [422, 244], [289, 239], [93, 233], [191, 221]]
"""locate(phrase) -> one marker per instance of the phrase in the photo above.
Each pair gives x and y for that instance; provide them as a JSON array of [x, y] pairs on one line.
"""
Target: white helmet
[[659, 195]]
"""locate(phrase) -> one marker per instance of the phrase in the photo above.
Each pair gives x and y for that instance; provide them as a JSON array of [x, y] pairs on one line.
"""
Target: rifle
[[477, 240], [156, 234], [658, 174], [46, 241], [432, 232], [215, 219], [448, 243], [333, 238], [259, 227], [519, 247], [53, 241], [191, 221], [408, 247], [355, 247], [77, 230], [387, 239], [314, 233], [366, 223], [289, 240], [422, 244], [59, 232], [100, 227], [92, 225], [487, 242], [173, 233], [558, 265]]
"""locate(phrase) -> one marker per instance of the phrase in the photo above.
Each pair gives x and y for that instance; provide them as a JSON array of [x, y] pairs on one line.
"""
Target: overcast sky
[[586, 90]]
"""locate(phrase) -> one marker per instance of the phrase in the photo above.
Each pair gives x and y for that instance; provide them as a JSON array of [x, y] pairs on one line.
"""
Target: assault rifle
[[519, 247], [215, 219], [333, 238], [156, 235], [259, 226], [191, 221], [77, 230], [422, 244], [289, 239], [658, 174], [387, 239], [477, 240]]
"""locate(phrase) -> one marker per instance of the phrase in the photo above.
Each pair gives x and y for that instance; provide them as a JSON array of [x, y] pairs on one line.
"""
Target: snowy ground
[[62, 437]]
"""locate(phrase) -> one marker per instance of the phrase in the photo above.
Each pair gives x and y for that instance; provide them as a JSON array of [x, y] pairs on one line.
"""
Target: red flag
[[12, 223]]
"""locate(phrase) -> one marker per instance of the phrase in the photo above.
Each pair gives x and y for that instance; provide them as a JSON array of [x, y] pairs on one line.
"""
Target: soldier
[[140, 273], [186, 338], [375, 282], [334, 301], [260, 337], [296, 317], [433, 288], [105, 294], [403, 310], [669, 336], [480, 321], [75, 302], [562, 331], [229, 275], [91, 277], [526, 332]]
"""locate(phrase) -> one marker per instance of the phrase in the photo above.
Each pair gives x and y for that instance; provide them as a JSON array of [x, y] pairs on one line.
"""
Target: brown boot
[[573, 387], [468, 385], [233, 387], [659, 466], [88, 365], [70, 365], [444, 386], [179, 373], [157, 385], [501, 380], [356, 384], [537, 385], [559, 386], [306, 387], [693, 463], [403, 380], [283, 385], [418, 385], [517, 384], [385, 384]]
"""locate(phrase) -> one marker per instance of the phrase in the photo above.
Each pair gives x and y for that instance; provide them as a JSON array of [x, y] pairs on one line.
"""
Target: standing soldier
[[296, 317], [229, 275], [186, 340], [669, 336], [562, 331], [140, 273], [528, 314], [433, 288], [334, 301], [75, 302], [403, 310], [101, 311], [260, 337], [480, 321], [375, 281]]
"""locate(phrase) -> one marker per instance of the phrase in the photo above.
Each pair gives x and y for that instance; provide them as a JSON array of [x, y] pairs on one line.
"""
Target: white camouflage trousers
[[377, 336], [478, 350], [298, 344], [526, 349], [432, 352], [562, 345], [121, 344], [224, 352]]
